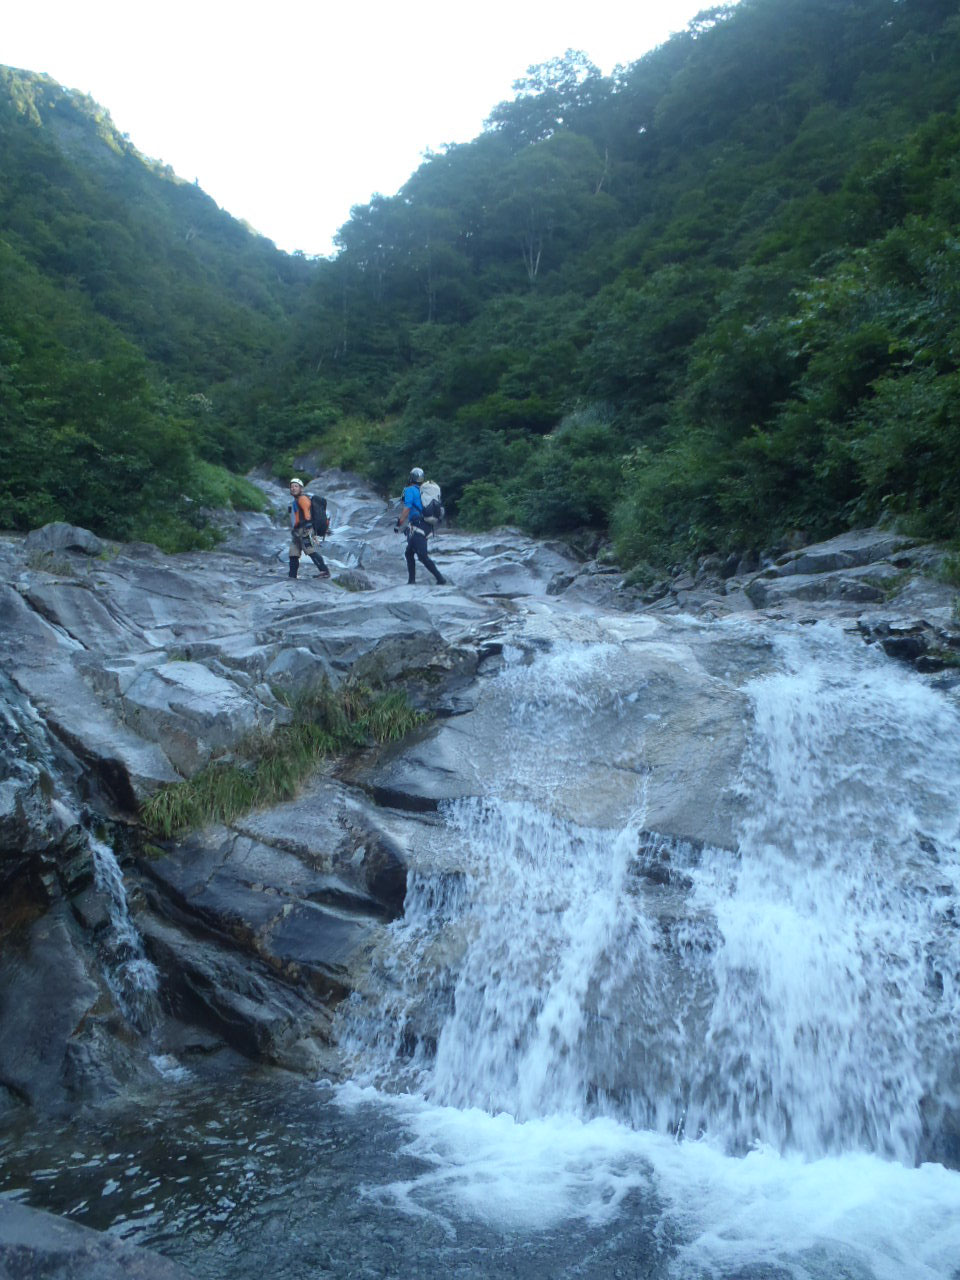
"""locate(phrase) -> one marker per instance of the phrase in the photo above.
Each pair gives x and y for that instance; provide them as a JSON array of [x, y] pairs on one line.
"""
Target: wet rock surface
[[43, 1246], [122, 669]]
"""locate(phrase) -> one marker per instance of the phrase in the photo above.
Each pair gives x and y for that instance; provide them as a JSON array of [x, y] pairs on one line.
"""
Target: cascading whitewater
[[131, 976], [836, 998], [540, 1007], [536, 918], [801, 991]]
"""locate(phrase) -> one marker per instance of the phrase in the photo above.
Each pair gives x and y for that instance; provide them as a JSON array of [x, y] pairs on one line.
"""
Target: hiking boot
[[323, 573]]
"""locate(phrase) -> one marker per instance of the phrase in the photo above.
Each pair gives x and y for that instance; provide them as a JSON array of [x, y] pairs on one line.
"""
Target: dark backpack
[[318, 515]]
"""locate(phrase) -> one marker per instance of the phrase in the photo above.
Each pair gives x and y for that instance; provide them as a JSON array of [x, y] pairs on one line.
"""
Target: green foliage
[[483, 505], [87, 438], [905, 450], [131, 312], [755, 307], [269, 767], [702, 302], [348, 443], [214, 486]]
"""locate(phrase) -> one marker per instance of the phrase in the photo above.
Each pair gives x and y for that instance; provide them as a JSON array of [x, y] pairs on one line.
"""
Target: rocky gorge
[[564, 706]]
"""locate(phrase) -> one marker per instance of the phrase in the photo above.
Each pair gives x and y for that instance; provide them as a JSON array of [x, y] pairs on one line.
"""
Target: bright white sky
[[288, 113]]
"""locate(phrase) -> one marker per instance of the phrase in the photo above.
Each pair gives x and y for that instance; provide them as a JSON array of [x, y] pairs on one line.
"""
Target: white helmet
[[416, 475], [296, 481]]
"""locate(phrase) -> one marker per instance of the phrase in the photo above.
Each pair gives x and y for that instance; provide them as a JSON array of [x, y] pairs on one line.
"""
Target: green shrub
[[348, 442], [172, 533], [482, 505], [215, 486]]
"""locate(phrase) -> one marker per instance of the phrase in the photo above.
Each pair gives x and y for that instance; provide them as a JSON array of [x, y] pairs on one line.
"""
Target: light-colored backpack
[[433, 511]]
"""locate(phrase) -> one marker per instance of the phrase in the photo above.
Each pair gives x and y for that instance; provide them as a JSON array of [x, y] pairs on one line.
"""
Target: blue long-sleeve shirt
[[414, 503]]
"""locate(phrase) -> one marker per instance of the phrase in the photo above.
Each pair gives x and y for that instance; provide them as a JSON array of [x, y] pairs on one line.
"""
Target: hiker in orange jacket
[[303, 536]]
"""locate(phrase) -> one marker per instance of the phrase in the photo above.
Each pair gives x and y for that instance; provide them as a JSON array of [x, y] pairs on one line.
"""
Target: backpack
[[433, 511], [318, 515]]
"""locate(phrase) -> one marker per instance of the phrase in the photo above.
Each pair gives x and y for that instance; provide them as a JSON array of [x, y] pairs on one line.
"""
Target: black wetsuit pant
[[417, 550]]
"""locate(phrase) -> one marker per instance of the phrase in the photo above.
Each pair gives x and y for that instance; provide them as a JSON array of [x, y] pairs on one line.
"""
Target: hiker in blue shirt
[[417, 530]]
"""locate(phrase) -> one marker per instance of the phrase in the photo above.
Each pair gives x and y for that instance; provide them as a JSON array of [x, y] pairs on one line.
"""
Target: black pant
[[417, 547]]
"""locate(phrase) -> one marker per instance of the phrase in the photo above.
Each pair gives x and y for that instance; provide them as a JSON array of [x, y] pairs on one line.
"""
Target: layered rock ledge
[[122, 669]]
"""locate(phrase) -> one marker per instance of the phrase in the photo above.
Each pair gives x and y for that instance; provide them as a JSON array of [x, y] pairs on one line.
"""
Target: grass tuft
[[60, 566], [269, 767]]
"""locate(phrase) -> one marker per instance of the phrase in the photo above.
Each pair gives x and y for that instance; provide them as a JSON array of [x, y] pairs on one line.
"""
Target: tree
[[549, 97]]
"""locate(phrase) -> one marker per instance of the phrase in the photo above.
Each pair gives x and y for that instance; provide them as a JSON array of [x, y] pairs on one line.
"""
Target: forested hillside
[[131, 312], [703, 302]]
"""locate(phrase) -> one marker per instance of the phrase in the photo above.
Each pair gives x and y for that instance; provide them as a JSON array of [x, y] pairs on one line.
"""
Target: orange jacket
[[300, 511]]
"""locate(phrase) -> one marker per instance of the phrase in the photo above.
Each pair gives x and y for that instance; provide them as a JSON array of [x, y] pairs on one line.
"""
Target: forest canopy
[[693, 306]]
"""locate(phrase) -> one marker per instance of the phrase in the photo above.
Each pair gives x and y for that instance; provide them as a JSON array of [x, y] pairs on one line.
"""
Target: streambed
[[270, 1175], [674, 993]]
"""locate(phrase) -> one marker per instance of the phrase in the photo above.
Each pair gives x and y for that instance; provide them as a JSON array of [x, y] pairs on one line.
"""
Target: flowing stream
[[767, 1042], [131, 976], [593, 1050]]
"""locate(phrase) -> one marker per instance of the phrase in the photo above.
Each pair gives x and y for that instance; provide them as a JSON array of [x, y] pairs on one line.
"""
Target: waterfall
[[805, 995], [793, 998], [545, 1024], [836, 978], [535, 949], [131, 976]]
